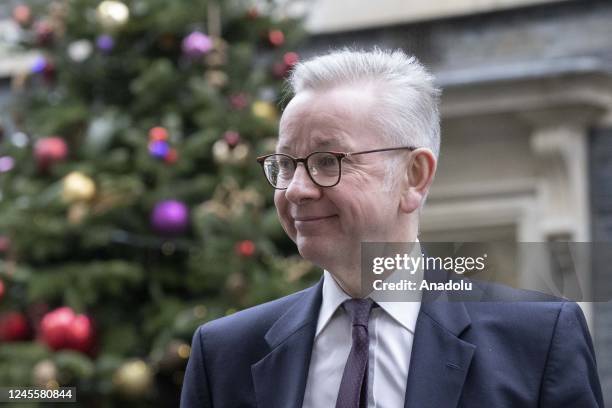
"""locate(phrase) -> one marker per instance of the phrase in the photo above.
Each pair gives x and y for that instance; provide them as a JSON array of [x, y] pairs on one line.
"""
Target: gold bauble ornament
[[77, 212], [200, 312], [175, 356], [112, 14], [133, 379], [216, 78], [44, 373], [224, 154], [221, 151], [264, 110], [218, 55], [236, 284], [78, 187], [240, 153], [212, 207]]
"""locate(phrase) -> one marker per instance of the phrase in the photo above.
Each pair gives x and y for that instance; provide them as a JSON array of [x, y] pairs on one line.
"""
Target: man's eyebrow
[[327, 143], [334, 142], [283, 148]]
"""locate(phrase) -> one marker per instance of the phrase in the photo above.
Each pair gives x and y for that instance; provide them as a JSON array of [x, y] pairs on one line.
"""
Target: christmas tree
[[132, 207]]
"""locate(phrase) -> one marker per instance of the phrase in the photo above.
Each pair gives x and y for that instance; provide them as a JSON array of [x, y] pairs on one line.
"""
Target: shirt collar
[[333, 296], [405, 313]]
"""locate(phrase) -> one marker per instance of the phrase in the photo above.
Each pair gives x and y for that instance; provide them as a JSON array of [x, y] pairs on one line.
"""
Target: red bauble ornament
[[63, 329], [253, 13], [54, 327], [239, 101], [245, 248], [276, 37], [49, 151], [13, 327], [5, 243], [158, 133], [49, 71], [280, 69], [22, 14], [80, 334], [44, 33], [291, 58], [172, 156]]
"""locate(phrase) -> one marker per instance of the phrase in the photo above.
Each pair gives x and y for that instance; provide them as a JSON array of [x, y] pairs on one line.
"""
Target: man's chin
[[316, 249]]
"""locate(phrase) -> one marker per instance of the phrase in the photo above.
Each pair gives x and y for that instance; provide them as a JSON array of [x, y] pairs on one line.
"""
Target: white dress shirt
[[391, 333]]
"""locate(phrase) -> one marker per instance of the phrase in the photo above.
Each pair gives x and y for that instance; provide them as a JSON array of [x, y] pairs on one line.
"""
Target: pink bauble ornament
[[49, 151], [232, 138]]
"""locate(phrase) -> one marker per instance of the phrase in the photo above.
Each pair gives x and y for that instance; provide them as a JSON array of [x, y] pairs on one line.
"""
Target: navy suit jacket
[[465, 354]]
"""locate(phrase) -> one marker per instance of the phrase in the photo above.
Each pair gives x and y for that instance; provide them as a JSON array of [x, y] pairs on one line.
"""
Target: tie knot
[[359, 310]]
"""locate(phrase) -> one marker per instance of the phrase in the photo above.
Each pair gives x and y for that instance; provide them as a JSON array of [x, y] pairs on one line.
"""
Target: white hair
[[406, 91]]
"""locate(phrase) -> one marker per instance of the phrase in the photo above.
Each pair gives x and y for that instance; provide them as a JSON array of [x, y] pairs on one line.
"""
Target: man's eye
[[326, 161], [284, 164]]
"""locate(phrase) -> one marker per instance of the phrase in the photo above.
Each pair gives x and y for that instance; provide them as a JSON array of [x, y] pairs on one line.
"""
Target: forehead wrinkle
[[322, 125], [319, 134], [319, 143], [333, 138]]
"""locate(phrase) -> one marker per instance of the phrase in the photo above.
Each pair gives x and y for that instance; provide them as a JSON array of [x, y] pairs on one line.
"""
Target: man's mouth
[[313, 218]]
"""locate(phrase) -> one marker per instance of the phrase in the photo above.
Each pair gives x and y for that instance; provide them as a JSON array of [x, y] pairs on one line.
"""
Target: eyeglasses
[[323, 168]]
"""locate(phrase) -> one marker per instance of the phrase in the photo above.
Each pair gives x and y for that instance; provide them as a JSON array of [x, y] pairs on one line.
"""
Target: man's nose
[[301, 187]]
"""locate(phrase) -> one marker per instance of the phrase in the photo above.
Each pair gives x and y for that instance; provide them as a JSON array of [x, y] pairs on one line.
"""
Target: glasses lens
[[324, 168], [279, 170]]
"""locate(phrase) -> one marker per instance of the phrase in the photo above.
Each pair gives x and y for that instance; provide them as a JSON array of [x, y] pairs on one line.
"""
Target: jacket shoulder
[[253, 321]]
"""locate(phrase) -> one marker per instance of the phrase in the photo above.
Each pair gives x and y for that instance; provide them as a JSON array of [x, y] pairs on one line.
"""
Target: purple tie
[[353, 391]]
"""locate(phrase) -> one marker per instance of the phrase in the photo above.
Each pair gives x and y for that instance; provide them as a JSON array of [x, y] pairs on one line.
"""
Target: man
[[356, 155]]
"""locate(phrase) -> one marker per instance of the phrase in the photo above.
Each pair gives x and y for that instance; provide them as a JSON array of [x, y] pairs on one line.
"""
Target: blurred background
[[132, 209]]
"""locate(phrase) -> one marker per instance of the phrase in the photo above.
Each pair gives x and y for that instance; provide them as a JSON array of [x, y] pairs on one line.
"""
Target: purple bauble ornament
[[40, 65], [170, 217], [197, 44], [6, 164], [159, 149], [105, 43]]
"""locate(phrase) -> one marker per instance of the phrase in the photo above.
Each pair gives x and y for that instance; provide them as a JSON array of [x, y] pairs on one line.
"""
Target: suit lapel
[[280, 377], [440, 359]]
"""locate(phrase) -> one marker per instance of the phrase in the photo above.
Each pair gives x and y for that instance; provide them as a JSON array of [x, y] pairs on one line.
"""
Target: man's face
[[329, 224]]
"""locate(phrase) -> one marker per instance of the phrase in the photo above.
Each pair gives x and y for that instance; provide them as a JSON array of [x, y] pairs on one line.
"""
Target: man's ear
[[417, 179]]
